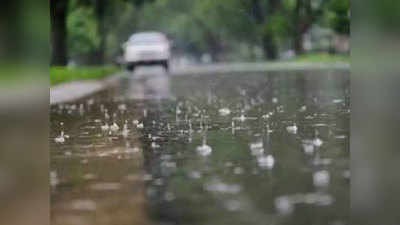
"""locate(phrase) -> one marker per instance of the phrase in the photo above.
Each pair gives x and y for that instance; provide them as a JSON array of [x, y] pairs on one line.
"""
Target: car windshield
[[146, 39]]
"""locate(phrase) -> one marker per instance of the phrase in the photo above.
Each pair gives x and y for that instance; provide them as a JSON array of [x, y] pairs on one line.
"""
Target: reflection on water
[[146, 83], [211, 149]]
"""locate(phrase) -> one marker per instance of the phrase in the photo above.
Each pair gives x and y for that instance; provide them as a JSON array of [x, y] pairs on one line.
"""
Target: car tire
[[130, 67], [165, 64]]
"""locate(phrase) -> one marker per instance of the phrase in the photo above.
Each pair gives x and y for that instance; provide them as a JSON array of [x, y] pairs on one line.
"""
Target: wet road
[[241, 148]]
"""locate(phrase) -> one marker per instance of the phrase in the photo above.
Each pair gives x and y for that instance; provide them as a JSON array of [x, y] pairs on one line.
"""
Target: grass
[[14, 74], [322, 57], [65, 74]]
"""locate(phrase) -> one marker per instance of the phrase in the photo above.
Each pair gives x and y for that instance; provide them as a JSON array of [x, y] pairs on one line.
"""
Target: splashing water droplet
[[60, 139], [292, 129], [321, 178], [114, 127], [224, 112], [204, 150], [267, 162], [105, 127], [284, 205], [308, 147]]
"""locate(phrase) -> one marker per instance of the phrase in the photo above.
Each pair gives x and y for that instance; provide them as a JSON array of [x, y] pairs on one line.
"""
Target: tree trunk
[[269, 43], [274, 6], [303, 19], [100, 9], [257, 11], [212, 39], [298, 43], [270, 47], [297, 36], [215, 45], [58, 13]]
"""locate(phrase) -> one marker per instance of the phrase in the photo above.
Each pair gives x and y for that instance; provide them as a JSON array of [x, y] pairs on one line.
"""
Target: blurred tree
[[224, 29], [58, 14], [100, 11], [86, 24], [270, 33], [104, 14], [83, 38], [305, 14], [339, 16], [269, 15], [219, 22]]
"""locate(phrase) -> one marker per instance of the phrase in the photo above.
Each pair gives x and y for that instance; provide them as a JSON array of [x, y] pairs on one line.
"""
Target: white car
[[147, 48]]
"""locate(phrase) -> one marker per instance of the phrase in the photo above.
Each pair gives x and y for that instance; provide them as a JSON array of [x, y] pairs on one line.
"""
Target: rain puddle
[[211, 149]]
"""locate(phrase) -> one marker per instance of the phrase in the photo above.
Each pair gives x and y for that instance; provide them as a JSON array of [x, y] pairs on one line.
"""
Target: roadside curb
[[71, 91]]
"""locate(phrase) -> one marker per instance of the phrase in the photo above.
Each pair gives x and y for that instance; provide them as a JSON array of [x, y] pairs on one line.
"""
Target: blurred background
[[24, 96], [91, 32]]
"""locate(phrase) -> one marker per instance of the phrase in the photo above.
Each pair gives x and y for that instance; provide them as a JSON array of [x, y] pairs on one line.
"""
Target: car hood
[[147, 47]]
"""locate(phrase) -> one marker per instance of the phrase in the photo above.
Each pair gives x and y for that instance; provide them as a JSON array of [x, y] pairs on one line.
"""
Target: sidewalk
[[78, 89]]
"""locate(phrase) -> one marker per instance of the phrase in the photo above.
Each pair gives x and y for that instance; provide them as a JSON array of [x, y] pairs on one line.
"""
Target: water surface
[[259, 148]]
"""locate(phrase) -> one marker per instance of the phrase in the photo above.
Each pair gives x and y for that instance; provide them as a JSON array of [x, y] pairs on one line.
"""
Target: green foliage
[[226, 27], [228, 17], [290, 4], [322, 57], [14, 74], [65, 74], [278, 25], [83, 37], [339, 16], [385, 13]]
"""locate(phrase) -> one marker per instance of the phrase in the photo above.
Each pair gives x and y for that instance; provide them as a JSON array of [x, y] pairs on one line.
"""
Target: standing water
[[258, 148]]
